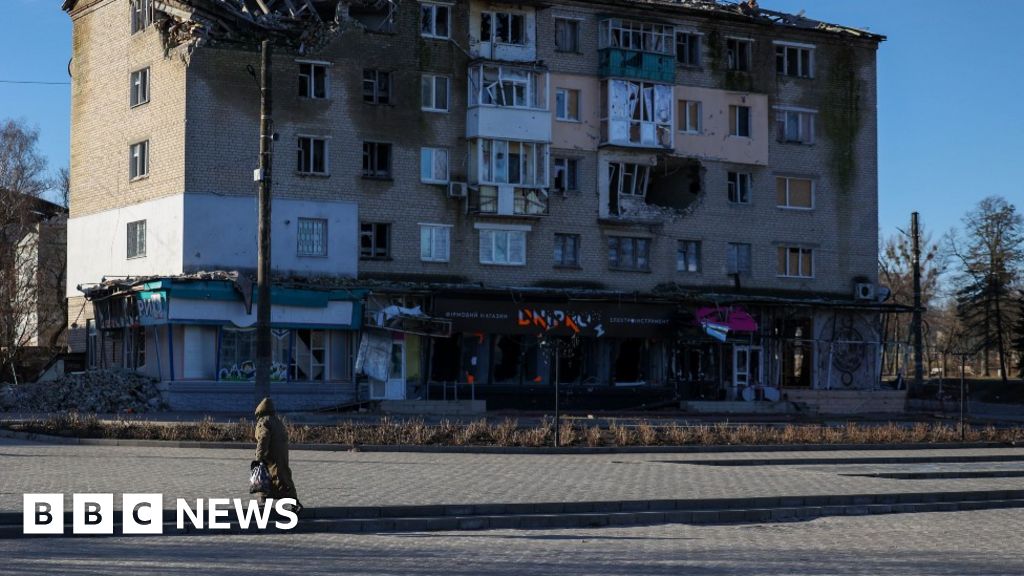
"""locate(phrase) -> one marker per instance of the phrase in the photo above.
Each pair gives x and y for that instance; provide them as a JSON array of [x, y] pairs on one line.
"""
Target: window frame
[[424, 161], [635, 35], [309, 80], [504, 79], [784, 258], [434, 7], [140, 14], [803, 115], [559, 250], [308, 158], [492, 235], [320, 225], [492, 28], [576, 37], [139, 237], [432, 230], [736, 192], [735, 126], [432, 79], [691, 61], [804, 67], [571, 169], [372, 150], [138, 163], [788, 204], [378, 96], [376, 253], [641, 117], [564, 103], [732, 259], [735, 60], [686, 254], [635, 242], [683, 117], [140, 88], [492, 148]]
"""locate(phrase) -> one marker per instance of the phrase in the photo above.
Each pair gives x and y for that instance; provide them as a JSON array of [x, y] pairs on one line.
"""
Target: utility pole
[[558, 416], [263, 348], [915, 234]]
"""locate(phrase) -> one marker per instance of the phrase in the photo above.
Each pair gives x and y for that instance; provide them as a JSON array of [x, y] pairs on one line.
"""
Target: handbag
[[259, 479]]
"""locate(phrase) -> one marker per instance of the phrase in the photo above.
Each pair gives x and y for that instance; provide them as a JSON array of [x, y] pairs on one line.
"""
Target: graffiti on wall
[[847, 351]]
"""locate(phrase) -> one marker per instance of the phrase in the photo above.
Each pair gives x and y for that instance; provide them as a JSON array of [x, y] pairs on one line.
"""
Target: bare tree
[[62, 186], [991, 259], [895, 267], [22, 241]]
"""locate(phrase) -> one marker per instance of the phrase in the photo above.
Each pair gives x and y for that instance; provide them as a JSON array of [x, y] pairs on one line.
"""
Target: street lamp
[[559, 348]]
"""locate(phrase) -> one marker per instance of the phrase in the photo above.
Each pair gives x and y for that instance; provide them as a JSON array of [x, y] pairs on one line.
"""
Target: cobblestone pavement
[[961, 543], [378, 478]]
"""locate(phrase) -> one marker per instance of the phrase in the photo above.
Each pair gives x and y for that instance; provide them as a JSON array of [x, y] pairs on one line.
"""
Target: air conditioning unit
[[457, 190], [864, 291]]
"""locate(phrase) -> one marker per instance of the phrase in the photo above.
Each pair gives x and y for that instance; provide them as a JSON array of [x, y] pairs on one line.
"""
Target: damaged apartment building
[[649, 200]]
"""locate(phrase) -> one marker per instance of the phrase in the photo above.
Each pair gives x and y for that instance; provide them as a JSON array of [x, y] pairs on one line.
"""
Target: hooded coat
[[272, 450]]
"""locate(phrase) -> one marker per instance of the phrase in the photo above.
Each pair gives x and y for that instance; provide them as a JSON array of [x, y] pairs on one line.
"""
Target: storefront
[[198, 337]]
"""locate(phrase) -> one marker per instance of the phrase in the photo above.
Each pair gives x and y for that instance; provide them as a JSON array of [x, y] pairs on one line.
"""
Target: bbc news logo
[[143, 514]]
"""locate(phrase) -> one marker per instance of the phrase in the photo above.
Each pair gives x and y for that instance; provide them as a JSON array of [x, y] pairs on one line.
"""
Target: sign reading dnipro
[[143, 514]]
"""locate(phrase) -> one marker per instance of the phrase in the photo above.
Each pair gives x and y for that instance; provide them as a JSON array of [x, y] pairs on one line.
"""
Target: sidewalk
[[404, 479]]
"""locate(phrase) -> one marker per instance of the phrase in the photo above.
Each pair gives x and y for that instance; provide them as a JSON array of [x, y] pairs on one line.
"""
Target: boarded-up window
[[794, 192]]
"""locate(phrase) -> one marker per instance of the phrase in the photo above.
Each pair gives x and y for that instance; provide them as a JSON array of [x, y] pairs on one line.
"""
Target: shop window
[[797, 354], [507, 359], [309, 356]]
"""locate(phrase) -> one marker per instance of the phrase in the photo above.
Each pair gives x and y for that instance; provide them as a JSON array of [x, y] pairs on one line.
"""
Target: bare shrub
[[539, 435], [646, 434], [505, 432], [594, 436]]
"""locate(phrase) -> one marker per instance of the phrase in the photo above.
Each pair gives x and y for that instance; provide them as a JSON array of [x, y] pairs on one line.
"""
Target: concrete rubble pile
[[99, 391]]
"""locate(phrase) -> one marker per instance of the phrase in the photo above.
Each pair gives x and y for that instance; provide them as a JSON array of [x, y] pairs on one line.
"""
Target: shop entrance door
[[746, 366]]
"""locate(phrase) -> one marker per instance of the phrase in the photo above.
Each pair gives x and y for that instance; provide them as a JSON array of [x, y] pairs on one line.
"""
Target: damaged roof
[[309, 24]]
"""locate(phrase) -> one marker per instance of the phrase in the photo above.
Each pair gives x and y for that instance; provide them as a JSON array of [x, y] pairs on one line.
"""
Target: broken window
[[794, 192], [309, 356], [502, 28], [737, 258], [435, 242], [629, 253], [567, 104], [567, 35], [637, 114], [688, 256], [504, 247], [512, 162], [567, 250], [434, 93], [376, 160], [688, 48], [376, 17], [312, 155], [739, 121], [139, 87], [690, 116], [312, 80], [376, 86], [794, 60], [312, 237], [566, 174], [795, 126], [738, 54], [141, 15], [795, 262], [631, 355], [627, 179], [137, 239], [740, 184], [506, 86], [639, 36], [374, 241], [435, 20], [434, 165], [138, 160]]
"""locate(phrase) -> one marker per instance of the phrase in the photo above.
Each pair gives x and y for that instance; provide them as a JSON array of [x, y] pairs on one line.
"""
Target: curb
[[528, 516], [721, 448]]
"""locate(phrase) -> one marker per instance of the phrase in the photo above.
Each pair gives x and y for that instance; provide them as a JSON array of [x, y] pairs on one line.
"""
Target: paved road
[[369, 478], [960, 543]]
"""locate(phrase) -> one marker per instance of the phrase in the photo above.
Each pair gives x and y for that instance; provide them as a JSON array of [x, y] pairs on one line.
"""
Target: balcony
[[508, 201], [620, 62], [508, 123]]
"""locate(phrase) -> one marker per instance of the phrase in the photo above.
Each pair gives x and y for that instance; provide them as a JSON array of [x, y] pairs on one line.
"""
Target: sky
[[949, 133]]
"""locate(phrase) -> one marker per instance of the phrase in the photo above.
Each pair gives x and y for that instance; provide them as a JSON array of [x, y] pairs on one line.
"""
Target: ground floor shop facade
[[509, 348]]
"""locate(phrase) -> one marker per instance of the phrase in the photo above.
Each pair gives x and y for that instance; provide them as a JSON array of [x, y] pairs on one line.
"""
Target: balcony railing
[[620, 62]]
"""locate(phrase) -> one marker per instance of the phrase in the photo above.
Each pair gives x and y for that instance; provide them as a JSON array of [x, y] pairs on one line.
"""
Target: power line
[[35, 82]]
